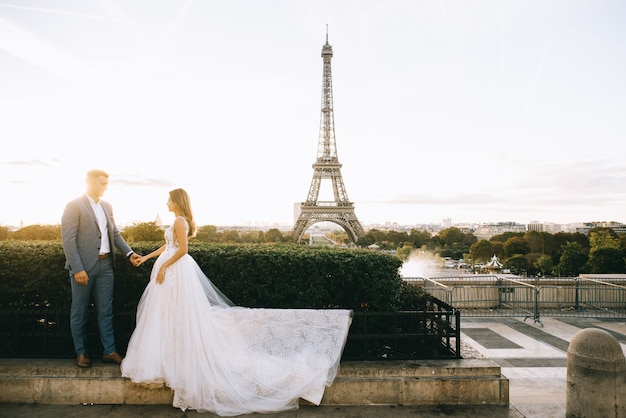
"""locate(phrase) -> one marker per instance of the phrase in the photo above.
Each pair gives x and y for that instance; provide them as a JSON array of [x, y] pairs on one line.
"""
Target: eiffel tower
[[327, 166]]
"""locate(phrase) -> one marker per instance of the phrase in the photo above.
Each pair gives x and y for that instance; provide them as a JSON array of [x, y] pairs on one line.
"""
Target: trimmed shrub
[[32, 274], [253, 275]]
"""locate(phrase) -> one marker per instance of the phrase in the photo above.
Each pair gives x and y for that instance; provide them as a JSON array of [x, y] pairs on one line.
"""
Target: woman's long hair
[[181, 199]]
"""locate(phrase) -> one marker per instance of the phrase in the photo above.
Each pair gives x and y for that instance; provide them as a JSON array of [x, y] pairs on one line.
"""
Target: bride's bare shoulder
[[180, 220]]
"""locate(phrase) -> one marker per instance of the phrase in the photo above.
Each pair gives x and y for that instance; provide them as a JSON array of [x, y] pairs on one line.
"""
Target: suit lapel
[[110, 225], [87, 204], [106, 212]]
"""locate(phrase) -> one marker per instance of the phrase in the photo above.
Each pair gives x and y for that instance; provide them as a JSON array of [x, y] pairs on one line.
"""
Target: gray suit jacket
[[81, 235]]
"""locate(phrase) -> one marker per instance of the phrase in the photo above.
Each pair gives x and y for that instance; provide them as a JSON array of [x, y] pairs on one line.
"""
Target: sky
[[477, 111]]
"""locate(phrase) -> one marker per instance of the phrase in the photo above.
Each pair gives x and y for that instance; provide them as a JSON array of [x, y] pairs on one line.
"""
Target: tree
[[562, 238], [498, 249], [404, 252], [450, 236], [603, 238], [515, 245], [419, 238], [365, 241], [455, 250], [230, 236], [4, 233], [274, 235], [340, 236], [481, 251], [606, 260], [539, 242], [573, 258], [518, 263], [544, 264], [207, 233], [505, 236], [394, 238], [605, 251], [143, 231], [378, 235], [38, 232], [454, 242], [622, 241]]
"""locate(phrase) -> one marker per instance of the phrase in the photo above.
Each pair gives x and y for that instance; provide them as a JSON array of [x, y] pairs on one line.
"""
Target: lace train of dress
[[226, 359]]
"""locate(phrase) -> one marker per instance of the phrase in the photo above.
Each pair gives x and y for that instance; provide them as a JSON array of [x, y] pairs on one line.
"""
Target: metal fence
[[507, 295], [44, 332], [432, 333]]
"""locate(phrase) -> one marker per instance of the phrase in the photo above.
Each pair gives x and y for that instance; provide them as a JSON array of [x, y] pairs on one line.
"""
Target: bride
[[221, 358]]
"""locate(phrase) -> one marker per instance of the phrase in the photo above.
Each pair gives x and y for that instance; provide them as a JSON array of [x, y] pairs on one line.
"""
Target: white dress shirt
[[105, 245]]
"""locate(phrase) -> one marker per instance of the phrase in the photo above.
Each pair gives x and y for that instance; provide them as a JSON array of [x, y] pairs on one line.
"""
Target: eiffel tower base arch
[[346, 219]]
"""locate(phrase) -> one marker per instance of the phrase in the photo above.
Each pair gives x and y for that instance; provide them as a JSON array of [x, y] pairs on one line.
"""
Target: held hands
[[141, 260], [136, 259]]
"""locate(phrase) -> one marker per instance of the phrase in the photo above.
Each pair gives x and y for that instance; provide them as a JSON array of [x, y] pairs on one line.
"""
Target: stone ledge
[[471, 381]]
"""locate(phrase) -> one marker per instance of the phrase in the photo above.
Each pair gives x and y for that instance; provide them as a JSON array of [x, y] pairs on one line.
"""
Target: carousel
[[494, 265]]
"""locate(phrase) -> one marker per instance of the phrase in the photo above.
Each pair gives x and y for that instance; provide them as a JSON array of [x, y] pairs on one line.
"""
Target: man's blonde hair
[[94, 174]]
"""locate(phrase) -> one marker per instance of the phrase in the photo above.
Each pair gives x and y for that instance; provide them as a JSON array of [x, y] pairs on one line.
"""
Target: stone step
[[425, 382]]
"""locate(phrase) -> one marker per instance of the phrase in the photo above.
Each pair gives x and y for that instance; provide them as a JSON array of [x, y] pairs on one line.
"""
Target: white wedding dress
[[225, 359]]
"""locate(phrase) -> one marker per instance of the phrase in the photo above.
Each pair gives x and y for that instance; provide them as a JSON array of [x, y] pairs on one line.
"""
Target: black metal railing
[[431, 333], [44, 332]]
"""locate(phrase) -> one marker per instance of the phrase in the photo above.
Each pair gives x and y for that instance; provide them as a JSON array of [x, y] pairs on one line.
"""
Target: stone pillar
[[596, 376]]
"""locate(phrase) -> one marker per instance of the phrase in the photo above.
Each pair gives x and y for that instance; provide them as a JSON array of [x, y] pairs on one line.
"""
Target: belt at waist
[[103, 256]]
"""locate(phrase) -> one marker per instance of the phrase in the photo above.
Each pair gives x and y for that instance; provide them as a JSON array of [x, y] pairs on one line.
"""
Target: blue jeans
[[100, 286]]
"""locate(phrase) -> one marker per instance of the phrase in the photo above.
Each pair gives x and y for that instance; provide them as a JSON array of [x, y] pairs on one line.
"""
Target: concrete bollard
[[596, 376]]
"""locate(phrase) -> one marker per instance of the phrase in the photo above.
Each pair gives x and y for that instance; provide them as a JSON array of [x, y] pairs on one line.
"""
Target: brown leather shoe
[[83, 361], [112, 358]]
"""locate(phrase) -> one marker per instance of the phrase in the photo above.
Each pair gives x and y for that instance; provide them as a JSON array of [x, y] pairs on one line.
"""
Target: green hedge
[[255, 275]]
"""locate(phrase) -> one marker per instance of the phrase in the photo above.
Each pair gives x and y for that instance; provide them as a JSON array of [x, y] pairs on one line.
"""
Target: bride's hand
[[160, 275]]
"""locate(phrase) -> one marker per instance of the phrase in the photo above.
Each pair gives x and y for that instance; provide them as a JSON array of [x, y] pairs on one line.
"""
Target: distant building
[[548, 227], [552, 228], [619, 228], [486, 231], [465, 229]]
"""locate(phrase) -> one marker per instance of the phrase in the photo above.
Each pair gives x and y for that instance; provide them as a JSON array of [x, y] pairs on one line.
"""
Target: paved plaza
[[534, 358]]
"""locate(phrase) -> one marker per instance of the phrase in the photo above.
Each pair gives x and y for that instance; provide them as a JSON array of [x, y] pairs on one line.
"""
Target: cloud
[[54, 11], [452, 199], [31, 163], [45, 54], [566, 183], [571, 191], [143, 182]]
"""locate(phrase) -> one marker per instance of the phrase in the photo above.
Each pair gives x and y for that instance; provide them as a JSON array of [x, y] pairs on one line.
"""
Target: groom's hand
[[81, 277], [135, 259]]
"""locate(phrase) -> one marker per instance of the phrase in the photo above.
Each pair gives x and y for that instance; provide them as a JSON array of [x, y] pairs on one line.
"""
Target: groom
[[89, 236]]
